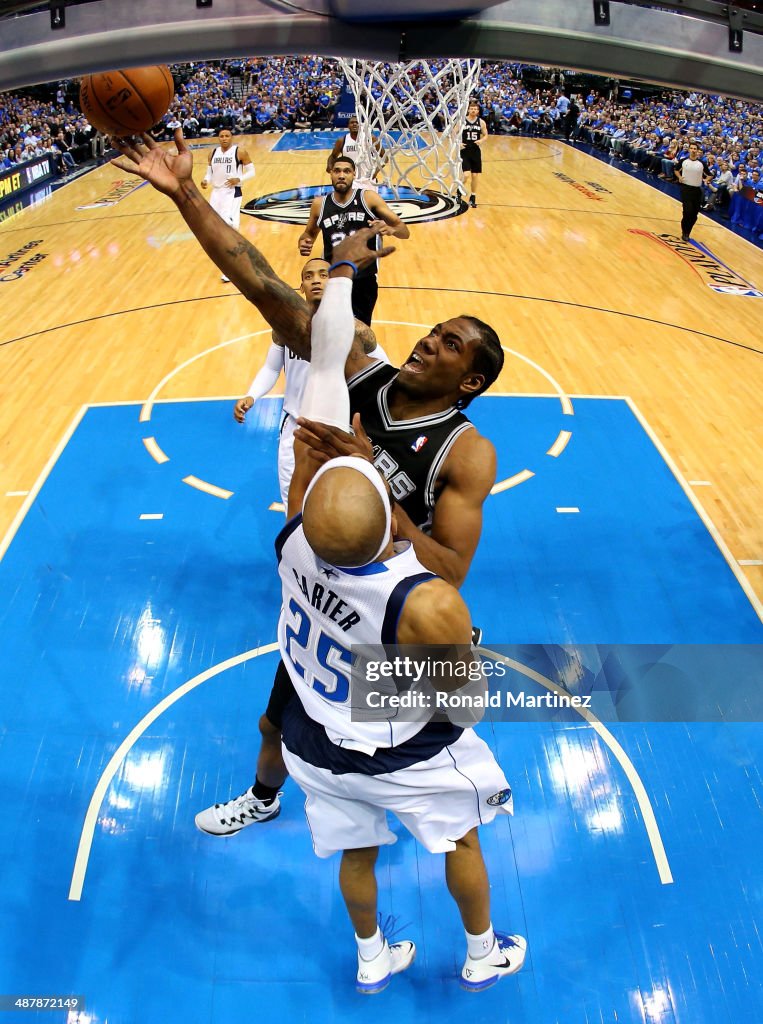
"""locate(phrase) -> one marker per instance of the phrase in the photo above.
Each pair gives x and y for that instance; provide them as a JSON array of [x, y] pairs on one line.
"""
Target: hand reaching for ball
[[166, 171]]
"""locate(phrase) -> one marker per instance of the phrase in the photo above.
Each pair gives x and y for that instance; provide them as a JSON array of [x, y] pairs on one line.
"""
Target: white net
[[413, 114]]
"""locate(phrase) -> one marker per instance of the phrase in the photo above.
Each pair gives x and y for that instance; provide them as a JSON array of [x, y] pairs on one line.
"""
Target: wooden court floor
[[557, 257]]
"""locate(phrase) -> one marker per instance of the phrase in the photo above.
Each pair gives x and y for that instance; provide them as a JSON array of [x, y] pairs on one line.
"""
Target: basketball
[[126, 102]]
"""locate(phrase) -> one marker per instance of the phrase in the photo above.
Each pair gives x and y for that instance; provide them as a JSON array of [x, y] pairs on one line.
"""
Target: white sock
[[480, 946], [370, 948], [326, 397]]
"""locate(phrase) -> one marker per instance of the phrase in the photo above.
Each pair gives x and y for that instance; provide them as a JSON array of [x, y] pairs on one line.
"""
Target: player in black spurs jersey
[[343, 212], [474, 131]]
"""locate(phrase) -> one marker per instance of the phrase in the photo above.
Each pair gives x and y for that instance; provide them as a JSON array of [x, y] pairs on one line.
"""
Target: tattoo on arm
[[257, 260]]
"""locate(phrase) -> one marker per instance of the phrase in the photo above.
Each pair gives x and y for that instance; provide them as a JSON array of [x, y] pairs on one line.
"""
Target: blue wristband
[[344, 263]]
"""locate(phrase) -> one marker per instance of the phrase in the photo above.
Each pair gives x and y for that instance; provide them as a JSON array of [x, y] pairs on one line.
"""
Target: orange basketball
[[126, 102]]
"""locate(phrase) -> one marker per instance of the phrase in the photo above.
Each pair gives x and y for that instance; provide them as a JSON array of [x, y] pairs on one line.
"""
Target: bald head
[[344, 517]]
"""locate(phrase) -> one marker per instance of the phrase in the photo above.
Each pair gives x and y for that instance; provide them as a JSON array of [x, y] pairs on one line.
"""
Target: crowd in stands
[[652, 134], [255, 95], [31, 127], [280, 93]]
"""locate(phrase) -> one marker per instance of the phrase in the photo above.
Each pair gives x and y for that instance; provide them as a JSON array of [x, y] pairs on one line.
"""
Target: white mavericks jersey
[[224, 165], [326, 610], [295, 371], [364, 172], [351, 148]]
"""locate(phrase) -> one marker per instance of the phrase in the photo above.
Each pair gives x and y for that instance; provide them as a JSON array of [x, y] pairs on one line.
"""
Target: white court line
[[16, 494], [569, 508], [152, 515], [644, 803], [30, 498], [560, 444], [512, 481], [744, 583], [153, 449], [204, 485], [277, 506], [91, 816], [700, 483], [750, 561]]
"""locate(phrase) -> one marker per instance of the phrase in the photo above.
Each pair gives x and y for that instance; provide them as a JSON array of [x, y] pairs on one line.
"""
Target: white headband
[[370, 473]]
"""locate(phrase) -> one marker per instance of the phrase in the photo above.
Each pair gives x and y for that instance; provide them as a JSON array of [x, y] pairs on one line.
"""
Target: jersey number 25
[[324, 653]]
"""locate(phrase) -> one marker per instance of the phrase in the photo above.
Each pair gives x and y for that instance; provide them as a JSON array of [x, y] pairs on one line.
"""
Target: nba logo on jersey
[[419, 443]]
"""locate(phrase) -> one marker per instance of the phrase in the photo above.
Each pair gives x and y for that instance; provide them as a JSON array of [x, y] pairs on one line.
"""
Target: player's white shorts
[[286, 456], [438, 800], [225, 202]]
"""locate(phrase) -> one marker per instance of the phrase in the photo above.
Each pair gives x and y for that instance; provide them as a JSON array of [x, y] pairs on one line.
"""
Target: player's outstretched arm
[[238, 259]]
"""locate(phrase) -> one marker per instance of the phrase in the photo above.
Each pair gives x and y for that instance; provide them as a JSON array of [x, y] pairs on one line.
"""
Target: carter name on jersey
[[324, 600]]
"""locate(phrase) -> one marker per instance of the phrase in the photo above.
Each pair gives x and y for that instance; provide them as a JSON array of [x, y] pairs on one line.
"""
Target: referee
[[690, 173]]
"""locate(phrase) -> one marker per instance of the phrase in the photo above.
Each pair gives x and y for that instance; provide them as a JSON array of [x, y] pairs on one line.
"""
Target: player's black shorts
[[471, 159], [280, 695], [365, 292]]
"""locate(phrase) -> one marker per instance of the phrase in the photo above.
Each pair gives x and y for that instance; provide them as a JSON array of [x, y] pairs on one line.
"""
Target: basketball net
[[416, 112]]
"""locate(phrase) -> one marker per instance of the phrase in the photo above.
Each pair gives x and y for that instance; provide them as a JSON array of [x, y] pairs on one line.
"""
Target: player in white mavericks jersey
[[349, 145], [229, 166], [280, 357], [345, 581]]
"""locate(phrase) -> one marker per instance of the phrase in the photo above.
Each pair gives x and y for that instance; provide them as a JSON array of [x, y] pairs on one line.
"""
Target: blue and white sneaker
[[231, 817], [374, 975], [506, 957]]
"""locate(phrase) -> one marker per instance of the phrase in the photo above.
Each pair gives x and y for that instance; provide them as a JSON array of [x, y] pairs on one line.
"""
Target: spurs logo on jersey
[[224, 165], [472, 132], [409, 453]]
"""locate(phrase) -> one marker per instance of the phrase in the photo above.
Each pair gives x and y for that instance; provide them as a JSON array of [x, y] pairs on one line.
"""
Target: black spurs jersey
[[409, 453], [338, 220], [472, 133]]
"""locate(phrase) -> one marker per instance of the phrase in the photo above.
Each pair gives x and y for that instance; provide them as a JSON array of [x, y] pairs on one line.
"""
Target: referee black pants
[[691, 200]]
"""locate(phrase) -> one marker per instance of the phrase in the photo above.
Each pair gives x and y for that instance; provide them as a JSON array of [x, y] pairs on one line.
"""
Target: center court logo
[[292, 206]]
